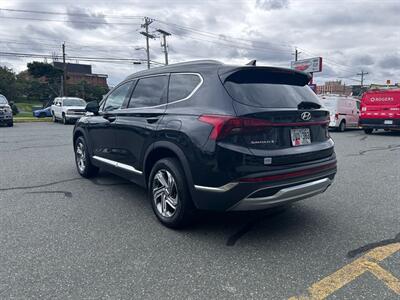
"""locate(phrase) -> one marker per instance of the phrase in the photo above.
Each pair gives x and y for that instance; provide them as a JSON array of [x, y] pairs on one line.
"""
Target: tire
[[179, 211], [368, 130], [64, 120], [82, 159], [342, 126], [53, 117]]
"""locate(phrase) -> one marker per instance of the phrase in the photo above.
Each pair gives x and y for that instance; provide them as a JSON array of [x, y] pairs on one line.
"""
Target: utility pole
[[296, 54], [164, 43], [362, 74], [147, 22], [64, 81]]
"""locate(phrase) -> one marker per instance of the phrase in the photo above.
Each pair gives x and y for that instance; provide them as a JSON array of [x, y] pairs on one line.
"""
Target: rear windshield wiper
[[308, 105]]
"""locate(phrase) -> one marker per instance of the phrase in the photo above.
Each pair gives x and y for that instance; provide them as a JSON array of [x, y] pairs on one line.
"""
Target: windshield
[[74, 102], [3, 100]]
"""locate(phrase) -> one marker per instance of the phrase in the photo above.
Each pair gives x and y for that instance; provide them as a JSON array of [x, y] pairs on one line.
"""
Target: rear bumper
[[265, 194], [284, 195], [380, 123]]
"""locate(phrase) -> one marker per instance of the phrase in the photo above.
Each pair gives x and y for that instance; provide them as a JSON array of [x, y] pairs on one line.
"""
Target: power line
[[68, 13], [81, 58], [68, 21]]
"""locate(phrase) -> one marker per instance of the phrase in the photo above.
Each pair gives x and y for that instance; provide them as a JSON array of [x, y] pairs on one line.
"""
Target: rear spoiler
[[252, 74]]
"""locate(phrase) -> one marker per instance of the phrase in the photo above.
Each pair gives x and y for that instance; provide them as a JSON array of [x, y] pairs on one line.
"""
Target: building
[[334, 87], [77, 73]]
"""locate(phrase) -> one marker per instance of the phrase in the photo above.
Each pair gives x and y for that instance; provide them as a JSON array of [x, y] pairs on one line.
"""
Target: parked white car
[[67, 109], [344, 111]]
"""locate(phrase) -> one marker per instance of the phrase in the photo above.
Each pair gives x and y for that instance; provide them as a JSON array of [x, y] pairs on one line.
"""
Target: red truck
[[380, 109]]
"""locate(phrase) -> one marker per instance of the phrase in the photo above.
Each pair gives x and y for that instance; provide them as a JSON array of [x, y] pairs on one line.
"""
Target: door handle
[[110, 118], [152, 120]]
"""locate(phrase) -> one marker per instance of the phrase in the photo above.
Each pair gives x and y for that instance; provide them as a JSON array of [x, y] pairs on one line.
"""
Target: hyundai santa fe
[[209, 136]]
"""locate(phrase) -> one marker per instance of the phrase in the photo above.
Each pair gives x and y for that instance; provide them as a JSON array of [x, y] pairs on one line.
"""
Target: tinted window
[[270, 88], [270, 95], [181, 85], [117, 97], [149, 91]]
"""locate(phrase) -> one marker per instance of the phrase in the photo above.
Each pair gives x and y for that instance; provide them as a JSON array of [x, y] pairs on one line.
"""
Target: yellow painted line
[[345, 275]]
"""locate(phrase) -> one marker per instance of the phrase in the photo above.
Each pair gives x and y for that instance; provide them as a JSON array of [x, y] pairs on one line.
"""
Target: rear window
[[269, 89]]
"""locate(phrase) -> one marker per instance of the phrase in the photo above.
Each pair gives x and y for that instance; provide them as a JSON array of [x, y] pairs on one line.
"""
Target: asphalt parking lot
[[63, 236]]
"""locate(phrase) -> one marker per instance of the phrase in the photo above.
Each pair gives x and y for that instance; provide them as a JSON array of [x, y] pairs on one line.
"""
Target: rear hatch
[[280, 119], [380, 105]]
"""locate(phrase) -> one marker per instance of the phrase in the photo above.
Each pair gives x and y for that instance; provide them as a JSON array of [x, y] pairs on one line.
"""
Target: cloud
[[361, 60], [272, 4], [84, 19], [349, 35], [390, 62]]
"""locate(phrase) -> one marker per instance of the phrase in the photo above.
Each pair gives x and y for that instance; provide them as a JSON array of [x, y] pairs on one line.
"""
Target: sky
[[350, 35]]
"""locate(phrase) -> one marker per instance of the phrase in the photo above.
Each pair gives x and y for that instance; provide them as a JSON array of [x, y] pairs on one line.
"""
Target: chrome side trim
[[285, 195], [118, 164], [220, 189], [168, 103]]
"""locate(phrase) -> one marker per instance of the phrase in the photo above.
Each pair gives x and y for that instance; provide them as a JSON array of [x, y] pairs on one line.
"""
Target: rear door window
[[150, 91], [261, 88], [181, 86]]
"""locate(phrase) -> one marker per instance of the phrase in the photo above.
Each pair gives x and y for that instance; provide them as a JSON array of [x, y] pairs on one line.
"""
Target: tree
[[8, 83], [87, 91], [44, 70]]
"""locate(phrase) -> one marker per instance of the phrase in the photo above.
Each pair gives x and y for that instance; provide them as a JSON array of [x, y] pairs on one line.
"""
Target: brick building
[[334, 87], [79, 72]]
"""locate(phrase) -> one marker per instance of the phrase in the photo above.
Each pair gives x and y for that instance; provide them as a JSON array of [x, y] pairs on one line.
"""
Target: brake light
[[226, 125], [337, 116]]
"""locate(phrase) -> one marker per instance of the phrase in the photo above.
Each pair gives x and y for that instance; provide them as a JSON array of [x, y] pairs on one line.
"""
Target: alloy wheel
[[165, 193], [81, 157]]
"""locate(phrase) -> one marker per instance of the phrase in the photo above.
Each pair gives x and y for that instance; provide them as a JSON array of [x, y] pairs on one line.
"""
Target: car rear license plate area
[[300, 136]]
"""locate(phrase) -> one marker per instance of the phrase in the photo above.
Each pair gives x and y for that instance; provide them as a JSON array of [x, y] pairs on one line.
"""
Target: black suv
[[205, 135]]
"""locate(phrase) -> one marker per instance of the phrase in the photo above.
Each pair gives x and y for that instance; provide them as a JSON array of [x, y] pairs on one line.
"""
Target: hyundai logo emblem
[[305, 116]]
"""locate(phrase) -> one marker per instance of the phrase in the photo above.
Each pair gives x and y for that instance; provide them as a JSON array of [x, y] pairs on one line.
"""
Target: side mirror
[[93, 107]]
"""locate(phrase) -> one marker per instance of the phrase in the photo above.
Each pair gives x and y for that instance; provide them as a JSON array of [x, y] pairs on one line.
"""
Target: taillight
[[337, 116], [227, 125]]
